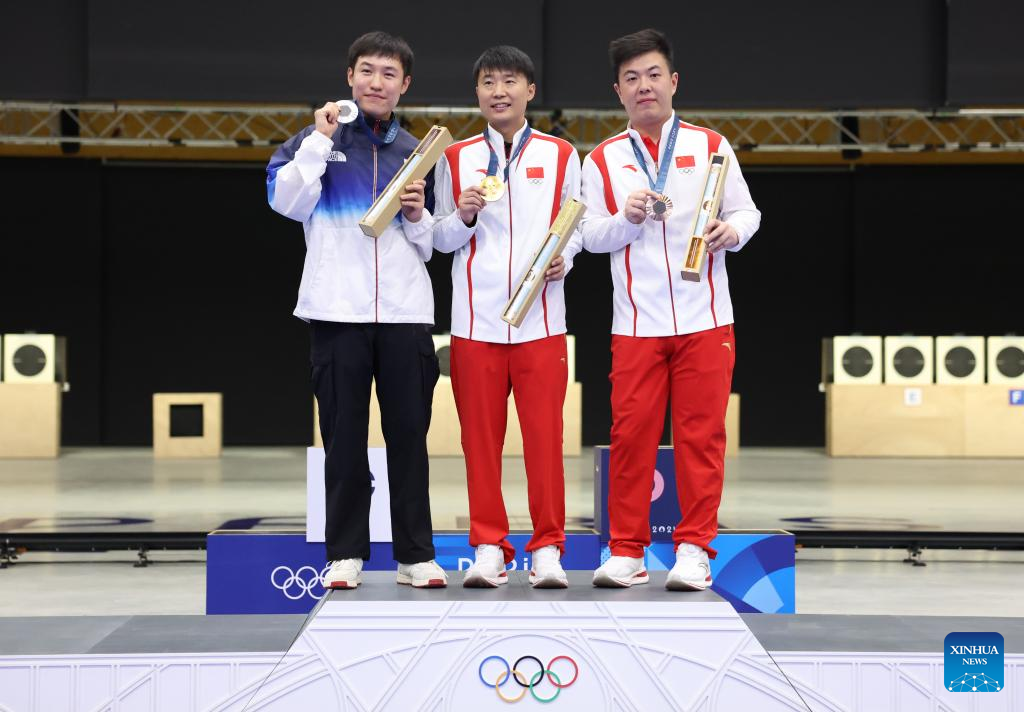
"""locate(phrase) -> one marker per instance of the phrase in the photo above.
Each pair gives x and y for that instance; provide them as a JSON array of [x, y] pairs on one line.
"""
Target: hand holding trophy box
[[419, 163], [710, 199], [558, 235]]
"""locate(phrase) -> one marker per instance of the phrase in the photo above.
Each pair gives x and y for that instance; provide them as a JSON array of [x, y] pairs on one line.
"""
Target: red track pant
[[483, 375], [696, 371]]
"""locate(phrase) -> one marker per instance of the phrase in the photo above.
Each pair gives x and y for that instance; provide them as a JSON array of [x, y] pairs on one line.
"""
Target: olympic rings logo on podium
[[544, 672], [296, 584]]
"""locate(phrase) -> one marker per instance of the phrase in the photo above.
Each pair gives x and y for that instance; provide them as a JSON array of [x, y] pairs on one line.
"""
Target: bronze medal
[[659, 208]]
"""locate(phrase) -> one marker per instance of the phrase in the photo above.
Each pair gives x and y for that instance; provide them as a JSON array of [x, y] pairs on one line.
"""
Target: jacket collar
[[388, 128], [498, 141], [665, 129]]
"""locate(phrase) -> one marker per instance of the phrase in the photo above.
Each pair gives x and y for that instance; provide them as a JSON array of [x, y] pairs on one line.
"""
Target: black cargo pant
[[346, 357]]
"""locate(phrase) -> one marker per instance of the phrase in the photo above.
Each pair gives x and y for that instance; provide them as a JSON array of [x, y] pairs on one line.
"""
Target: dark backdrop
[[731, 53], [178, 278]]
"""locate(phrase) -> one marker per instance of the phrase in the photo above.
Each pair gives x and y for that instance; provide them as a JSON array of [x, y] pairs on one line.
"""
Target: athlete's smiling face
[[645, 88], [377, 84], [503, 95]]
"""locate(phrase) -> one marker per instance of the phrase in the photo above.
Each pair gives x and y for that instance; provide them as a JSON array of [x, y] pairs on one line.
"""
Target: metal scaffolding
[[229, 127]]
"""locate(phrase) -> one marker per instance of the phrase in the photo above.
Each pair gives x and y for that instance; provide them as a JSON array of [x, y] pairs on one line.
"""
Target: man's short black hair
[[381, 44], [633, 45], [504, 58]]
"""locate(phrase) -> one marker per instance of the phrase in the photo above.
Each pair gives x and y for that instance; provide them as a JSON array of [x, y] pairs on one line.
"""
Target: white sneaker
[[547, 571], [488, 570], [692, 571], [621, 572], [425, 574], [344, 573]]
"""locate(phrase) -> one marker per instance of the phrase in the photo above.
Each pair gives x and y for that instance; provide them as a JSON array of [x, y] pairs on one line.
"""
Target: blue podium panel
[[274, 572], [755, 571], [664, 502], [644, 648]]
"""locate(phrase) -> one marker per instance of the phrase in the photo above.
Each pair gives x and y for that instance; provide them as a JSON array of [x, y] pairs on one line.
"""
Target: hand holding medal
[[333, 114], [471, 202], [659, 205], [635, 207]]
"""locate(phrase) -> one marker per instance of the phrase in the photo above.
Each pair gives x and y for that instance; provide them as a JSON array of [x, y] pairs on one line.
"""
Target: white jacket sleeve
[[294, 187], [737, 206], [448, 231], [602, 231], [420, 234], [571, 189]]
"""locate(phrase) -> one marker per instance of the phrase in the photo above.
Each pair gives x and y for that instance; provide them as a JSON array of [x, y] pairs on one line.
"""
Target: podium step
[[219, 663], [383, 646]]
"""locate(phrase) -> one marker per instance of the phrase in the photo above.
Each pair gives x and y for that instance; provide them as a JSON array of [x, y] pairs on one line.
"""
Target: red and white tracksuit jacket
[[493, 255], [669, 336], [489, 358]]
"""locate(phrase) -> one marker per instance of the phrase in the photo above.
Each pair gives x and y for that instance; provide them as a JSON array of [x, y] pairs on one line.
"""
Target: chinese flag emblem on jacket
[[535, 174], [685, 164]]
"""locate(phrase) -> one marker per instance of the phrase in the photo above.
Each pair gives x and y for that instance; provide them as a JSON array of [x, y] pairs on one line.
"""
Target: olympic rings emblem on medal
[[295, 585], [528, 684]]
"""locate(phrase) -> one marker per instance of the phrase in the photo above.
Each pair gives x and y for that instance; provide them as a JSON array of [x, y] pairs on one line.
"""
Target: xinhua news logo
[[973, 662]]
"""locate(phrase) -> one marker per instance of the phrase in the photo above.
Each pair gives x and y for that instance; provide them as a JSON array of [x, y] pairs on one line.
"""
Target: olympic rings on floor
[[480, 670], [575, 667], [557, 683], [503, 677], [528, 684], [528, 657]]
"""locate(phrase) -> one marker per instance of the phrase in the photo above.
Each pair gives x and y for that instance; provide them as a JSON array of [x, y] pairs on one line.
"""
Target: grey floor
[[125, 489], [184, 633]]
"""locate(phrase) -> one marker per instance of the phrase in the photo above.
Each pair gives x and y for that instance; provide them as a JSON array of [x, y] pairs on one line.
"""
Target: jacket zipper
[[376, 268], [509, 188]]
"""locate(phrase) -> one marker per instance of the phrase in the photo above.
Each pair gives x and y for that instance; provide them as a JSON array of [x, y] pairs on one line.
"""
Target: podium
[[387, 647]]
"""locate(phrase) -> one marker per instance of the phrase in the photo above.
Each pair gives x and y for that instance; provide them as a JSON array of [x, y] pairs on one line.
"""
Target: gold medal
[[492, 188], [659, 208]]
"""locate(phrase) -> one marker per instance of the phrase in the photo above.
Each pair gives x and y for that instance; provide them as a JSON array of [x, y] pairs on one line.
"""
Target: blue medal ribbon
[[492, 164], [659, 185], [389, 136]]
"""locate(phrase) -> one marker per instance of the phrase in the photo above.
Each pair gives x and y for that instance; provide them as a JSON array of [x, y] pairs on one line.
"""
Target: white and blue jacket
[[327, 185]]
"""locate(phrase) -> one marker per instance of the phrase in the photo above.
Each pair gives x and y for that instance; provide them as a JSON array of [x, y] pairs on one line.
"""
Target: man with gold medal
[[497, 195], [672, 339]]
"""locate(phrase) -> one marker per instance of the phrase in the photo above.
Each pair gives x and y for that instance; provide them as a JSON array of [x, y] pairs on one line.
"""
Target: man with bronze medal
[[672, 333], [498, 194]]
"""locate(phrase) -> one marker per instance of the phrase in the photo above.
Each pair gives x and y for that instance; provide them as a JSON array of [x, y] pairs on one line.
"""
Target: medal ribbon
[[659, 186], [492, 164], [389, 137]]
